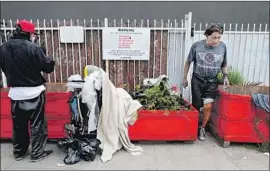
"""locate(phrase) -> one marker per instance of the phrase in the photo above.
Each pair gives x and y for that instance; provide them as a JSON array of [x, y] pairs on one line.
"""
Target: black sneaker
[[202, 134], [18, 158], [44, 155]]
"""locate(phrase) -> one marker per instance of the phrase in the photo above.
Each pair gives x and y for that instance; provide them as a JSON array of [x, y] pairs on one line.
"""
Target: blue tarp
[[262, 101]]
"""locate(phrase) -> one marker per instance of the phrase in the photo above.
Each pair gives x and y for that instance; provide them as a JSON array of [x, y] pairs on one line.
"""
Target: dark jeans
[[24, 111], [201, 89]]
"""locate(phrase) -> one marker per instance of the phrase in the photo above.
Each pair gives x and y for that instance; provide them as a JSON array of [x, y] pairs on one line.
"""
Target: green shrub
[[235, 77], [159, 97]]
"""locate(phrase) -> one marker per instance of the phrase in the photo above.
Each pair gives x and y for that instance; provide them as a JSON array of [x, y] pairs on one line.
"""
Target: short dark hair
[[213, 28], [19, 33]]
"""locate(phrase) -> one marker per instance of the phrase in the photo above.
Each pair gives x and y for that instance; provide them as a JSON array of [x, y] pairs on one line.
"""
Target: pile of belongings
[[101, 114], [81, 142], [77, 149]]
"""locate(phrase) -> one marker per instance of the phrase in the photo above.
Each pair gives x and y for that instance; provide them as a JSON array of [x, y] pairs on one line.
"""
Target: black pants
[[24, 111], [201, 89]]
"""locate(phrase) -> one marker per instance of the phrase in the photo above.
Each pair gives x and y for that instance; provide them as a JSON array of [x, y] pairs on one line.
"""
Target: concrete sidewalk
[[207, 155]]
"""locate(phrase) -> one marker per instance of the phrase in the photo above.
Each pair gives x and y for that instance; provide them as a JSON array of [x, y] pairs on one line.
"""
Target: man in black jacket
[[22, 61]]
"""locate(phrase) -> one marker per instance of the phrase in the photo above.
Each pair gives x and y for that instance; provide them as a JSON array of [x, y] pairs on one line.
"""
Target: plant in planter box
[[159, 97], [235, 77], [165, 114], [240, 95]]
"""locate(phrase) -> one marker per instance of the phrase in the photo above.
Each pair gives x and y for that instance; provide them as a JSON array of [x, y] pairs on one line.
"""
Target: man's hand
[[185, 82], [226, 82], [225, 77], [186, 68]]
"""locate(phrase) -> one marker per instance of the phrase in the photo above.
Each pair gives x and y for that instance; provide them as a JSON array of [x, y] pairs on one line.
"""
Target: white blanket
[[117, 112]]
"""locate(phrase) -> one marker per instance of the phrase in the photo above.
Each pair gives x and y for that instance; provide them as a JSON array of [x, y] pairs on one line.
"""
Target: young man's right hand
[[185, 82]]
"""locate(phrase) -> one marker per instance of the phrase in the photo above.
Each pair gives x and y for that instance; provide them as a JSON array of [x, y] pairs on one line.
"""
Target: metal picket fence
[[248, 49], [72, 57]]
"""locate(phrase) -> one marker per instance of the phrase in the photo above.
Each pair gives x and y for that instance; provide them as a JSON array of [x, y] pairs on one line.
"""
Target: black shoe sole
[[41, 158], [201, 139], [19, 158]]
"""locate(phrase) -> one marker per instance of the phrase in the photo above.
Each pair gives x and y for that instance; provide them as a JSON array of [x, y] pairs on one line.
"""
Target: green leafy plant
[[235, 77], [159, 97]]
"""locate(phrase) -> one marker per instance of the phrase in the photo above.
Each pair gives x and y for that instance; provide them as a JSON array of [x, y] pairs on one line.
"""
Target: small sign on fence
[[126, 43], [71, 34]]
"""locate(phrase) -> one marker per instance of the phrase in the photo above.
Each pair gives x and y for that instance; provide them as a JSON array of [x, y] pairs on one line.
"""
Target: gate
[[167, 49]]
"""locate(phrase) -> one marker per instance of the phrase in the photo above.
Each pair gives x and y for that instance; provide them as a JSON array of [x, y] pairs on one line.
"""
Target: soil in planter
[[248, 90], [159, 97]]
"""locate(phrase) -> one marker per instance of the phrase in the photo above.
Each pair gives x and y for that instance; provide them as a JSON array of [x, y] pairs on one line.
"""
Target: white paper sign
[[71, 34], [126, 43]]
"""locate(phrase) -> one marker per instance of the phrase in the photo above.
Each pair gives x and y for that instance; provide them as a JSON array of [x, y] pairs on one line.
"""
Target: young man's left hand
[[226, 82]]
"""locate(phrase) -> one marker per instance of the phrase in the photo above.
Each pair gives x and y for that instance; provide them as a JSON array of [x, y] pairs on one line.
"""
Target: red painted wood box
[[151, 125], [156, 125], [57, 112], [236, 119]]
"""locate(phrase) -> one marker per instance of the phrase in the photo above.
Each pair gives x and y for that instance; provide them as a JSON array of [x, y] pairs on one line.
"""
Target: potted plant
[[235, 77], [234, 117], [165, 115]]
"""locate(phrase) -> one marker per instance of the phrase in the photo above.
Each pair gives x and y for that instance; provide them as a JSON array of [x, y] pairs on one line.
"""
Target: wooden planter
[[151, 125], [165, 125], [236, 119], [57, 111]]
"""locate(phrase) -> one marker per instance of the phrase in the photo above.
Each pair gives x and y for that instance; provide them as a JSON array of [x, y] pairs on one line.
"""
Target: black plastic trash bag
[[87, 152], [93, 142], [89, 149], [72, 157]]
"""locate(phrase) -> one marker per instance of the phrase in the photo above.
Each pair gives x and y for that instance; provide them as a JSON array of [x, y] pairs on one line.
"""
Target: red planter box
[[236, 119], [165, 125], [151, 125], [57, 112]]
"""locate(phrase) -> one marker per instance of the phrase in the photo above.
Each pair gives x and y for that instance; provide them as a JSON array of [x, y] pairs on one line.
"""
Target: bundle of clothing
[[261, 101], [101, 114]]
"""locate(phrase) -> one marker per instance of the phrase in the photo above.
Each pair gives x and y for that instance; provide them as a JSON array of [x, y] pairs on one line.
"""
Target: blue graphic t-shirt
[[207, 60]]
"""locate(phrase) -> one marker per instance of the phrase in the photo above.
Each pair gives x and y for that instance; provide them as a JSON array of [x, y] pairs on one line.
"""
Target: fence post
[[107, 61], [188, 19]]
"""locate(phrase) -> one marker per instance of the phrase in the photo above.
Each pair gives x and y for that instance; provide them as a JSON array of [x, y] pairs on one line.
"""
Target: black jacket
[[23, 61]]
